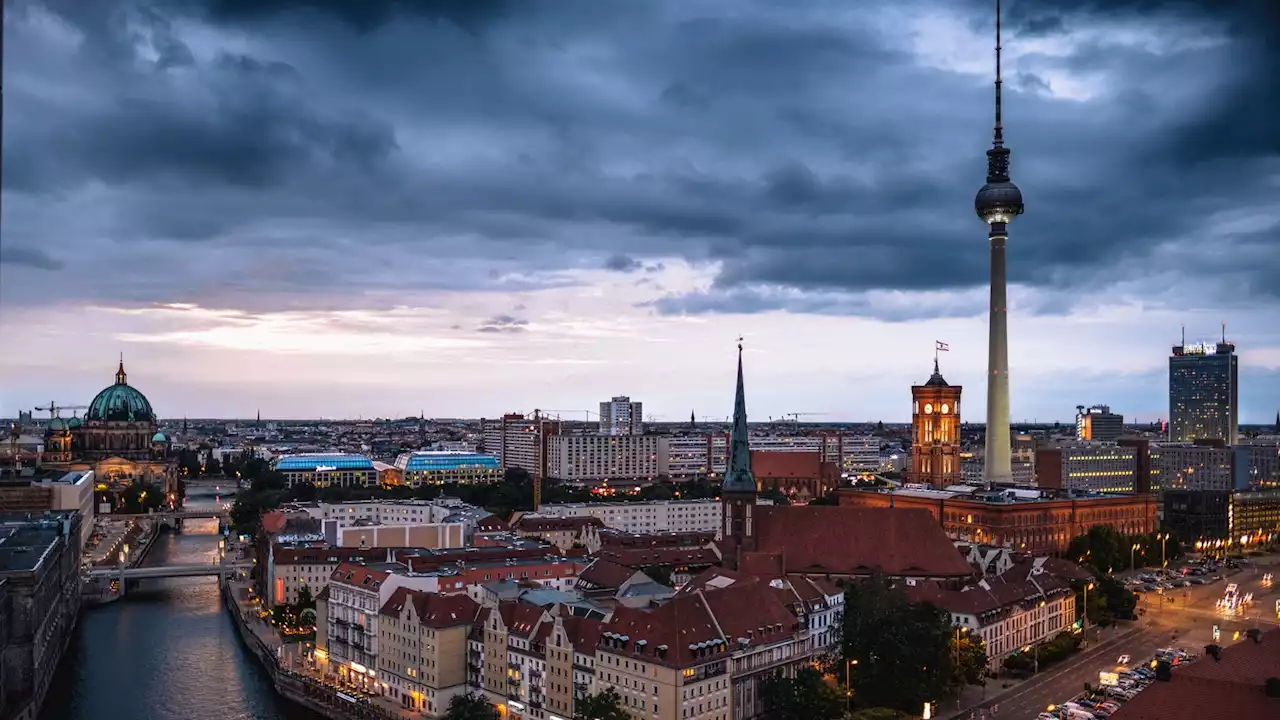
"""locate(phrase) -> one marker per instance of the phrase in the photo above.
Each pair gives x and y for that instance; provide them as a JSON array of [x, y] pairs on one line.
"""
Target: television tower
[[997, 203]]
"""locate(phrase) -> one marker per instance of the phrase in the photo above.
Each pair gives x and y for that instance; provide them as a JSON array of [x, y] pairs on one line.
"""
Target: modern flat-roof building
[[1223, 518], [518, 442], [40, 567], [1204, 392], [620, 416], [1102, 467], [439, 467], [613, 458], [325, 469], [1098, 423]]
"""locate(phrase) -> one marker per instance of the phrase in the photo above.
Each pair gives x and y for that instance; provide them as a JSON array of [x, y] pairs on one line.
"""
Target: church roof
[[739, 477], [120, 403]]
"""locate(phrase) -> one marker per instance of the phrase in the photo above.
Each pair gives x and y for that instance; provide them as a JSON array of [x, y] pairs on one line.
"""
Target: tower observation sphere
[[998, 202]]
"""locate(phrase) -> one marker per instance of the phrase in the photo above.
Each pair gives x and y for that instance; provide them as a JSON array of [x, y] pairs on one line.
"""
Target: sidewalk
[[973, 699]]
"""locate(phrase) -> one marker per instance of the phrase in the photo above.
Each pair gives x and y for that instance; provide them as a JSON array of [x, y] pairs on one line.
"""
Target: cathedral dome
[[120, 403], [159, 438]]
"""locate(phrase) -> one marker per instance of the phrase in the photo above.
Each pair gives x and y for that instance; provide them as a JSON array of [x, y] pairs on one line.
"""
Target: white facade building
[[596, 458], [646, 517], [74, 491]]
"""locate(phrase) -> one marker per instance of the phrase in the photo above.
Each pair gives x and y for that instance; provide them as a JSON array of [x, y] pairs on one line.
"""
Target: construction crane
[[587, 413], [54, 409], [795, 416]]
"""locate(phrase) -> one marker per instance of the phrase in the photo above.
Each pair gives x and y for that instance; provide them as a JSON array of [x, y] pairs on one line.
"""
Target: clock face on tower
[[945, 408], [928, 408]]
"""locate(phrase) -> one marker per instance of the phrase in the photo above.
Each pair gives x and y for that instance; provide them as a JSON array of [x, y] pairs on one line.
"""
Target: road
[[1188, 622]]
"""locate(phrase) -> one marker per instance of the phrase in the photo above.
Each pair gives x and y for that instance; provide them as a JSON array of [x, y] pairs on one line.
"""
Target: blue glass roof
[[434, 461], [315, 462]]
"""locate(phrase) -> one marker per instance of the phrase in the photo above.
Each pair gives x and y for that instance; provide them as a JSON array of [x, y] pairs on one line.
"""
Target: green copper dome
[[159, 438], [120, 403]]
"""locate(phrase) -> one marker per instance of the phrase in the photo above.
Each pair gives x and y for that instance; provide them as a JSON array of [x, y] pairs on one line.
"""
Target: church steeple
[[121, 378], [739, 477]]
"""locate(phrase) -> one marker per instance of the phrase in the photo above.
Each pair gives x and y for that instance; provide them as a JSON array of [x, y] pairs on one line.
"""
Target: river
[[167, 651]]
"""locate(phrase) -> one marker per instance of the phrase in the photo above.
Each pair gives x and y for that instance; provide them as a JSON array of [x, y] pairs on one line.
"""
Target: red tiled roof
[[611, 538], [273, 522], [490, 523], [844, 540], [664, 556], [1247, 662], [605, 574], [569, 524], [583, 632], [432, 609], [704, 621], [352, 574], [519, 618], [778, 464], [325, 556]]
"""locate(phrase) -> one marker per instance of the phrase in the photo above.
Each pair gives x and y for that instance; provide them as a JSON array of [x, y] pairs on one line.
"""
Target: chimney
[[1273, 687], [1255, 635]]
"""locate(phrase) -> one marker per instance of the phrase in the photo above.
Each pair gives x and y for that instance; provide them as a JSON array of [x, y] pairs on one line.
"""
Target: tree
[[213, 467], [471, 706], [605, 705], [305, 598], [903, 649], [805, 697], [970, 666]]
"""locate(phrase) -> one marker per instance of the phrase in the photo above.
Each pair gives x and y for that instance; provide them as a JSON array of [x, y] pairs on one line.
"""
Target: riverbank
[[95, 593], [301, 689]]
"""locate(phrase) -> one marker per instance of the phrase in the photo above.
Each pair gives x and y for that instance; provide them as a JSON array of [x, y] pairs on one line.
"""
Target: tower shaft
[[999, 464]]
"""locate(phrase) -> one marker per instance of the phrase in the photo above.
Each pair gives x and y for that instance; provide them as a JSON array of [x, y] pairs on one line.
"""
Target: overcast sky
[[342, 208]]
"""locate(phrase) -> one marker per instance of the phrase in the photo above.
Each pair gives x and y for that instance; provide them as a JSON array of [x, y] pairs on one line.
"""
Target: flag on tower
[[941, 346]]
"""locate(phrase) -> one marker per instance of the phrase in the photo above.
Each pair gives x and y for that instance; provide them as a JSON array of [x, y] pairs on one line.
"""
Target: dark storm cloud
[[334, 146], [504, 324], [28, 257], [620, 262]]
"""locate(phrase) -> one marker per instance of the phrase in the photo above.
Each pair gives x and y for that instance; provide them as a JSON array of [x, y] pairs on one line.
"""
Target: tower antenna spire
[[999, 131]]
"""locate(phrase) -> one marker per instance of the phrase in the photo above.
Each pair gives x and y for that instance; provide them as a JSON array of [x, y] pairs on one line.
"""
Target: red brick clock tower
[[935, 432]]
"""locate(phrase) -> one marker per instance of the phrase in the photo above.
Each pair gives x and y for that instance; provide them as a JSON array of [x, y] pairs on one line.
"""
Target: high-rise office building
[[620, 416], [1098, 424], [1204, 393]]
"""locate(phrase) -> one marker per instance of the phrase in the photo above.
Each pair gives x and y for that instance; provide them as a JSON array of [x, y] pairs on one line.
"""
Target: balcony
[[511, 680]]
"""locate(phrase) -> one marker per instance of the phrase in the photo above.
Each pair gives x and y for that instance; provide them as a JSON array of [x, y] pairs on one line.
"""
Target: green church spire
[[739, 477]]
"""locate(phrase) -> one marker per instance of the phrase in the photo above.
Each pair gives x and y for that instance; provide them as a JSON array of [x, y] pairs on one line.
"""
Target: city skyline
[[585, 203]]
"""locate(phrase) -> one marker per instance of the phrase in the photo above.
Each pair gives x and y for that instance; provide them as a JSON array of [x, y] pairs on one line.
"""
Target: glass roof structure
[[323, 462], [445, 460]]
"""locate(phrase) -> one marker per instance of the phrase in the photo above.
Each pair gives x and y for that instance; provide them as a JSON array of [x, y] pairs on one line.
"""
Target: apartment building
[[1103, 467], [620, 416], [690, 456], [1023, 605], [289, 569], [607, 458], [520, 443], [423, 637], [703, 654], [562, 532], [533, 662], [658, 516]]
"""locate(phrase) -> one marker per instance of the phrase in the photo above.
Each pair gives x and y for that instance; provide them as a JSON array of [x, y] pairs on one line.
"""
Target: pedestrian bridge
[[169, 571], [171, 516]]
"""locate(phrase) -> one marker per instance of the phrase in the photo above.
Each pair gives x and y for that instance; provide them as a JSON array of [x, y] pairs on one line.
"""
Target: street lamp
[[1084, 617], [848, 683], [1035, 657], [1163, 538], [1132, 547]]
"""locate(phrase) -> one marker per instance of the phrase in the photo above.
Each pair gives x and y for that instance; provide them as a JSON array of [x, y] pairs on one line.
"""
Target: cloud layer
[[622, 165]]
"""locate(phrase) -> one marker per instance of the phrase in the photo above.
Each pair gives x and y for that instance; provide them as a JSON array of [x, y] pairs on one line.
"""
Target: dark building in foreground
[[1219, 517], [1204, 393], [39, 569]]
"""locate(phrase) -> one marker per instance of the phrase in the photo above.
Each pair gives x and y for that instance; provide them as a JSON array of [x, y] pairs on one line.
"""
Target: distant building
[[1204, 393], [1019, 519], [520, 443], [973, 470], [935, 432], [1229, 518], [1194, 466], [645, 517], [326, 469], [620, 416], [438, 467], [1098, 423], [1103, 467], [614, 458]]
